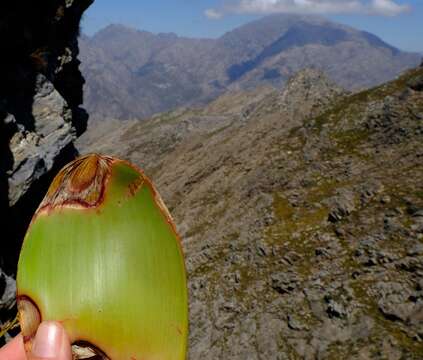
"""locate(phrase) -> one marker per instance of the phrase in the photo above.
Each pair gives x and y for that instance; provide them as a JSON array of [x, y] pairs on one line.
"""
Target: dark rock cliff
[[40, 114]]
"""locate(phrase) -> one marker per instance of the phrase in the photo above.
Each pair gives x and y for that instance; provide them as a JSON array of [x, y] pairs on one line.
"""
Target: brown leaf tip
[[79, 184]]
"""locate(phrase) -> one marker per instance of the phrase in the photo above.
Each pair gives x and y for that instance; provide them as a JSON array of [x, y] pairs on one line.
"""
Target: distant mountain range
[[133, 74]]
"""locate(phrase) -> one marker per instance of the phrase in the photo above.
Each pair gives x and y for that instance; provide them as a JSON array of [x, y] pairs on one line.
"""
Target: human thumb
[[51, 343]]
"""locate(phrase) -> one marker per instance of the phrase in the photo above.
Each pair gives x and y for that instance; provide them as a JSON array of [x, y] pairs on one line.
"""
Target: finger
[[51, 343], [14, 350]]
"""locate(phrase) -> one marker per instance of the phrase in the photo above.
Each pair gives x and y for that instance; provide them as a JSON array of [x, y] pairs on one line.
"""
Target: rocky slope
[[40, 114], [301, 214], [134, 73]]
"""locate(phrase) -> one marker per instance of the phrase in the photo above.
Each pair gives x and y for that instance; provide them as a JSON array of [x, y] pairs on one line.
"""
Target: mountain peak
[[115, 27], [308, 78], [308, 89], [113, 30]]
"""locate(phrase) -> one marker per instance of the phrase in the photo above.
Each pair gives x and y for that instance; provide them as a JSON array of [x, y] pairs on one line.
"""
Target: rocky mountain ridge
[[300, 213], [133, 74]]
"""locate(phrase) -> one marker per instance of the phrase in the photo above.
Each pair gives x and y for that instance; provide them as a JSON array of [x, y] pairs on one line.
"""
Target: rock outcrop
[[40, 114]]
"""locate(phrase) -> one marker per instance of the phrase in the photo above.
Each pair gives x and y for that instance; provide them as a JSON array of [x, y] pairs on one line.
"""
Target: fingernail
[[48, 340]]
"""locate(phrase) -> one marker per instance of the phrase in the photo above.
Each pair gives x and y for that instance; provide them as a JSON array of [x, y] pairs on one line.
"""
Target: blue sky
[[398, 22]]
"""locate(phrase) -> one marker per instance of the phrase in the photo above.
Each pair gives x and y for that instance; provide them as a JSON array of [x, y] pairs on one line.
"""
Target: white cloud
[[369, 7], [388, 7], [213, 14]]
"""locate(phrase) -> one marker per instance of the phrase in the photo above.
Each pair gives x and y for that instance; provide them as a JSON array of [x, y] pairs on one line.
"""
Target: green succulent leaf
[[108, 265]]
